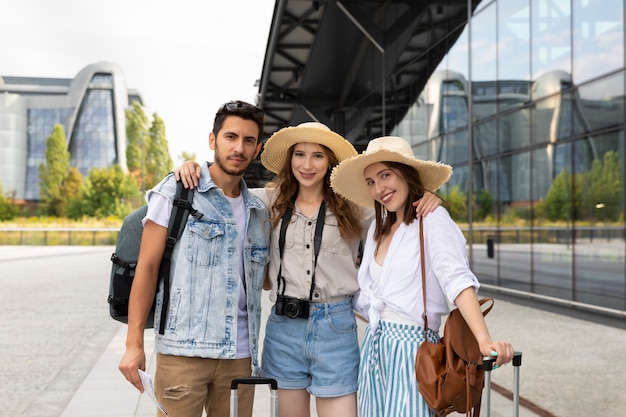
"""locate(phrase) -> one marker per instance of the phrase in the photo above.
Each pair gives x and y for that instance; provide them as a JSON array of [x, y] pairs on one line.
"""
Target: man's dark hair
[[241, 109]]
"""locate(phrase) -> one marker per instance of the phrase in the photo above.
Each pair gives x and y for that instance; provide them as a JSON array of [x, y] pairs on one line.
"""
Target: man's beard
[[234, 172]]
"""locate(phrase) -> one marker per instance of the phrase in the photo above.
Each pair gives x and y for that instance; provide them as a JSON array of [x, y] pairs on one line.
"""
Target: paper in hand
[[148, 388]]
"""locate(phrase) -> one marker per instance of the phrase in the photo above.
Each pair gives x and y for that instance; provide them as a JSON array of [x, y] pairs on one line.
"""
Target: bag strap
[[181, 209], [317, 243], [423, 257]]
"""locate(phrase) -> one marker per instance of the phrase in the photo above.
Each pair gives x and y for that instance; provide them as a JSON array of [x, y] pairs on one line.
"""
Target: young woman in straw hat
[[388, 177], [311, 343]]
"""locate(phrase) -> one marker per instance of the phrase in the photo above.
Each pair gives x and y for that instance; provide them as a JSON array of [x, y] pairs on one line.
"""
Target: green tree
[[70, 188], [484, 204], [52, 172], [456, 203], [137, 128], [610, 188], [107, 192], [8, 209], [563, 199], [158, 159]]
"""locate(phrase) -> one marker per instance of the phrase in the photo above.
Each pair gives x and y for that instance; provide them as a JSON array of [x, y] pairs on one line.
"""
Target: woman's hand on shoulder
[[189, 172], [427, 204]]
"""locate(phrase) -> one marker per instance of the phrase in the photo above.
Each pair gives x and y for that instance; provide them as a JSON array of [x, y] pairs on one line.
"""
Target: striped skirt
[[387, 384]]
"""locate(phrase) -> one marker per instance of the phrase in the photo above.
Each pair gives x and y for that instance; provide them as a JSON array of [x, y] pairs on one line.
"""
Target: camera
[[292, 307]]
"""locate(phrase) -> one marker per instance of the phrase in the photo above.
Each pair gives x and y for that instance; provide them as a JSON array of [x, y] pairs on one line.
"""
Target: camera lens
[[292, 310]]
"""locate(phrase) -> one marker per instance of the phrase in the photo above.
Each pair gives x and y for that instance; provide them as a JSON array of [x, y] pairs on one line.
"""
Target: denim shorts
[[319, 354]]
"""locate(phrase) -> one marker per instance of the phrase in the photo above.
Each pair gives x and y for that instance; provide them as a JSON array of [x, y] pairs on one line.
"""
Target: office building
[[524, 98], [91, 109]]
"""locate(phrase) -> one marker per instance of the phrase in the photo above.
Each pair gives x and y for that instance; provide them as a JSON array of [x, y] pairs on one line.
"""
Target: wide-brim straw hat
[[276, 149], [347, 178]]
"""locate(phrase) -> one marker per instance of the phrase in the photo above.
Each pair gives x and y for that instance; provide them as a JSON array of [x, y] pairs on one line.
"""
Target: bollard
[[490, 246]]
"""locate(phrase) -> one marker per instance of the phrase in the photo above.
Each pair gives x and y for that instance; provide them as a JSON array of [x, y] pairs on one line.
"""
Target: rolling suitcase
[[253, 380], [488, 363]]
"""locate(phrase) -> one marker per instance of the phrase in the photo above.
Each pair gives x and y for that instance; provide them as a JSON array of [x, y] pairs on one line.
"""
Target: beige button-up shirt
[[336, 271]]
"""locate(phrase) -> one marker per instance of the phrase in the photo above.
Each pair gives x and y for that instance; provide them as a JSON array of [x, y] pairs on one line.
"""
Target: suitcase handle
[[254, 380], [489, 361]]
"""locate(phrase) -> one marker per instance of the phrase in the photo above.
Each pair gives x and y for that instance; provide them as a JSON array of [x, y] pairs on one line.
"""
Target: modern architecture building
[[91, 109], [524, 98]]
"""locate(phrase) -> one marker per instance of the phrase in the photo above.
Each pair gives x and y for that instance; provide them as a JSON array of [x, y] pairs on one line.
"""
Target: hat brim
[[347, 178], [276, 149]]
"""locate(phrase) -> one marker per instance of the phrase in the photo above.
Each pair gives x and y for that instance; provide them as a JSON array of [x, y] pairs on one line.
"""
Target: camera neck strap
[[317, 242]]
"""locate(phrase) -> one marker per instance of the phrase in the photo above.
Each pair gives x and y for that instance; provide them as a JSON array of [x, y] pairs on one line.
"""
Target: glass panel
[[102, 81], [552, 244], [486, 138], [93, 139], [519, 187], [483, 61], [40, 125], [550, 40], [414, 125], [484, 260], [454, 111], [566, 115], [514, 44], [456, 61], [599, 231], [562, 165], [501, 253], [454, 150], [601, 103], [455, 192], [598, 34], [514, 131], [552, 253], [543, 113], [541, 171]]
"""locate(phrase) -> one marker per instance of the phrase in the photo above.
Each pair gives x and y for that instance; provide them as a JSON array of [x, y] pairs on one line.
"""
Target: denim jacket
[[202, 316]]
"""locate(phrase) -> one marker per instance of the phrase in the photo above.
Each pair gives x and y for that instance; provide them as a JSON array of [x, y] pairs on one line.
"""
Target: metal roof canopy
[[326, 61]]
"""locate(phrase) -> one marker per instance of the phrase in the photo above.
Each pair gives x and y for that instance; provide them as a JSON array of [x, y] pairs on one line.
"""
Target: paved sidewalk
[[60, 349], [104, 382]]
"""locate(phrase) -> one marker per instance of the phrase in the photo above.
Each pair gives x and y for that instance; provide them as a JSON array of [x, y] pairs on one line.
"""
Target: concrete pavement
[[60, 349]]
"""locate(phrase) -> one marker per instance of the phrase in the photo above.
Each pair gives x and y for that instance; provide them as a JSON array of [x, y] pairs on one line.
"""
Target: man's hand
[[427, 204], [133, 359]]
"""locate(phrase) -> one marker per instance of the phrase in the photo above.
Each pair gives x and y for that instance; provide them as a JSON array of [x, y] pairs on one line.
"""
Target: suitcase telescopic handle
[[489, 361], [253, 380]]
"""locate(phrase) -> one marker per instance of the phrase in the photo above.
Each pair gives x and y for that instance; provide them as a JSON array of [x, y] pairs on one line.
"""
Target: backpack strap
[[181, 209]]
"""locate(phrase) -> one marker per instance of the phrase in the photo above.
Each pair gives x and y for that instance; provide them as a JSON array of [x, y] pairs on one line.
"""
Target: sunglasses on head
[[234, 105]]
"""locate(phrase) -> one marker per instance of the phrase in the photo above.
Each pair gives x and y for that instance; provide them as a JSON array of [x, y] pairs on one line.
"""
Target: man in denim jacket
[[217, 271]]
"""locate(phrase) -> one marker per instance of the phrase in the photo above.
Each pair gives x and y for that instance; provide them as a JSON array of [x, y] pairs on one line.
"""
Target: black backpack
[[127, 251]]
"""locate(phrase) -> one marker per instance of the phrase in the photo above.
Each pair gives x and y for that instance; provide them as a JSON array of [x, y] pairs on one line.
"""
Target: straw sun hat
[[347, 178], [276, 149]]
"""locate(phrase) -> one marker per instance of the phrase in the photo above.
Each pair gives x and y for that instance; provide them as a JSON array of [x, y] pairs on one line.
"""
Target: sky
[[185, 57]]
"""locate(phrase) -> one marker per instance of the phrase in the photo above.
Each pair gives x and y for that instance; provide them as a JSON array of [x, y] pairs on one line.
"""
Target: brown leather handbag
[[450, 374]]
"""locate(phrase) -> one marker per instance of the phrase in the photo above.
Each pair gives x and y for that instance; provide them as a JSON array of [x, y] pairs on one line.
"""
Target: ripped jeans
[[185, 386]]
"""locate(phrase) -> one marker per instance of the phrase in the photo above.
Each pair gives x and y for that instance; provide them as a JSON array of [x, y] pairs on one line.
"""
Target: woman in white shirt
[[388, 177]]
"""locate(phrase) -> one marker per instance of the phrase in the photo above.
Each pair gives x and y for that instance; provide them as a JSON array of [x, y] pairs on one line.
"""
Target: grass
[[57, 231]]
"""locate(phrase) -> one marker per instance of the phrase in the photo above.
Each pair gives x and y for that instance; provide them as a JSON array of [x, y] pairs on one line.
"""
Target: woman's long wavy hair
[[384, 218], [287, 186]]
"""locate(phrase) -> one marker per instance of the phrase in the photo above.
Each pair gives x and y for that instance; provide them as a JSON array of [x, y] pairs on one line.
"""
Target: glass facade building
[[91, 109], [528, 106]]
